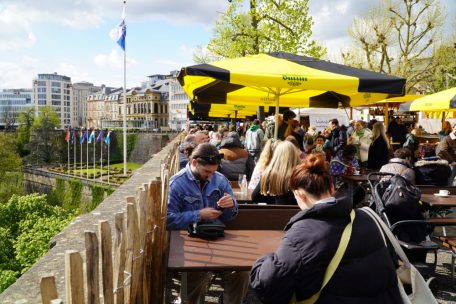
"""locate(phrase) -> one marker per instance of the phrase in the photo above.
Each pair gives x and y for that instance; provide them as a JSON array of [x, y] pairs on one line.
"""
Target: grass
[[130, 166]]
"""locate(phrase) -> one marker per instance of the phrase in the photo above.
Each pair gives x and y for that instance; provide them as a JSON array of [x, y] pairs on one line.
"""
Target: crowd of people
[[302, 167]]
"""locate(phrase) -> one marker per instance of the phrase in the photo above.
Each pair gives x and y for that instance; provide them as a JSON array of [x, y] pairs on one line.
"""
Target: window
[[55, 84]]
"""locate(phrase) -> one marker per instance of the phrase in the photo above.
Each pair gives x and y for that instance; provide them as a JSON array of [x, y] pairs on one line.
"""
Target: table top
[[355, 178], [238, 250], [433, 200]]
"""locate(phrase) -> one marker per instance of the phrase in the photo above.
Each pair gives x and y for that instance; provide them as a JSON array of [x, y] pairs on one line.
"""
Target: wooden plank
[[92, 272], [129, 241], [163, 237], [48, 289], [136, 281], [74, 282], [149, 283], [106, 261], [119, 259], [57, 301]]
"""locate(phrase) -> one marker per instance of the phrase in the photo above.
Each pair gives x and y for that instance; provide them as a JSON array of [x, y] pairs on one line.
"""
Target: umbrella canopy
[[441, 101], [285, 79], [220, 110]]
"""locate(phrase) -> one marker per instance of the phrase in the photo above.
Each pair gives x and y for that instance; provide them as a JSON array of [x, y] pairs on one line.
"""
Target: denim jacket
[[185, 198]]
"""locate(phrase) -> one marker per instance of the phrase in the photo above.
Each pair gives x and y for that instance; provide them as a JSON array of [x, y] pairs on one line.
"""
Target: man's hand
[[209, 214], [225, 201]]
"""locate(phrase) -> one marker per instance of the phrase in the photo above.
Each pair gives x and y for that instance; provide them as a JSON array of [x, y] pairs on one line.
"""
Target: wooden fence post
[[92, 273], [74, 282], [151, 250], [119, 259], [130, 240], [106, 261], [48, 289]]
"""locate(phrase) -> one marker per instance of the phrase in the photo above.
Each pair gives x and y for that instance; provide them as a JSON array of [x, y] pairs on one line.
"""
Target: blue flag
[[83, 136], [107, 138], [74, 136], [119, 33], [91, 137], [100, 136]]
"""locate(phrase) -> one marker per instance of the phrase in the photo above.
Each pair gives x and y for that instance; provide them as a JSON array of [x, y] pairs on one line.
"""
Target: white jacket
[[364, 143]]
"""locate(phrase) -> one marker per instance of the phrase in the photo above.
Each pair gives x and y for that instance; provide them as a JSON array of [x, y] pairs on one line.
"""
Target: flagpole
[[94, 157], [101, 158], [125, 107], [74, 151], [80, 143], [87, 153], [68, 145], [108, 158]]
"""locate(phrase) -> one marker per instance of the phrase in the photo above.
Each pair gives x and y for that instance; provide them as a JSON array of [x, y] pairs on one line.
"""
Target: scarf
[[254, 128]]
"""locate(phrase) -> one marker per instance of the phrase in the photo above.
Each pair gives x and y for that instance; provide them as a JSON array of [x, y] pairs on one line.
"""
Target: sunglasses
[[212, 158]]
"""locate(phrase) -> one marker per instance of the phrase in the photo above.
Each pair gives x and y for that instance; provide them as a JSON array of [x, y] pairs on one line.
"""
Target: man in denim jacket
[[199, 193]]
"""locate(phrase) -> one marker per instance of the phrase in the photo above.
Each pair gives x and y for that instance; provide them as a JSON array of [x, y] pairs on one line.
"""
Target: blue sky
[[72, 37]]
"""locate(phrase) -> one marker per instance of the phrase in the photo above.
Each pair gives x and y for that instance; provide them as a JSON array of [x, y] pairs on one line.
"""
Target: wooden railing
[[133, 262]]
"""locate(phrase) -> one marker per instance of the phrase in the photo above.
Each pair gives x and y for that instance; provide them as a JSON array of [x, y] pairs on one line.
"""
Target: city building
[[178, 103], [56, 91], [12, 103], [103, 108], [81, 90], [147, 108]]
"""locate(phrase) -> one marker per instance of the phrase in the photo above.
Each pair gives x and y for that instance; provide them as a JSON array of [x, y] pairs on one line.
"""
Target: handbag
[[333, 264], [209, 230], [406, 273]]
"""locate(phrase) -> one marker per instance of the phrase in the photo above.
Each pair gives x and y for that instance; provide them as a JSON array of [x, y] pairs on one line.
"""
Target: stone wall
[[147, 145], [26, 289]]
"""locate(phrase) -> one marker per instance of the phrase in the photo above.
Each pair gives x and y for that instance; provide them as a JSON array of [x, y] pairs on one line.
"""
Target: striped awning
[[441, 101]]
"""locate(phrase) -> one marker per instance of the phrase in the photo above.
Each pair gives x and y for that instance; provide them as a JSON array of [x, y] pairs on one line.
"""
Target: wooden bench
[[450, 243], [261, 218], [442, 221]]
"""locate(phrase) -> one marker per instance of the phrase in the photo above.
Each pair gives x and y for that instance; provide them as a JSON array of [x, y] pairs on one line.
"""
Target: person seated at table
[[379, 149], [273, 186], [345, 162], [431, 170], [446, 130], [447, 150], [236, 160], [263, 161], [302, 154], [189, 140], [292, 130], [366, 273], [200, 193], [400, 164], [361, 139]]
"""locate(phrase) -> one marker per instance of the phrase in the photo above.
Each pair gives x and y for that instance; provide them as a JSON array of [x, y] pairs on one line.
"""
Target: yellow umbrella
[[285, 79], [441, 101]]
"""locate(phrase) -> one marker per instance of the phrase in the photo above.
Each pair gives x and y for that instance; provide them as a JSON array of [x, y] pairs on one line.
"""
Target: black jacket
[[378, 154], [338, 139], [285, 199], [366, 273]]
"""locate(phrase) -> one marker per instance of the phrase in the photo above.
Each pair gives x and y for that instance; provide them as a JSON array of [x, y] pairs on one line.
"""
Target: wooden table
[[238, 250], [439, 201]]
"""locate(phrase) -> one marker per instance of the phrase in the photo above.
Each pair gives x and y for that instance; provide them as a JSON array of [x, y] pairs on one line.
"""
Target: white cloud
[[114, 59], [342, 7], [17, 74]]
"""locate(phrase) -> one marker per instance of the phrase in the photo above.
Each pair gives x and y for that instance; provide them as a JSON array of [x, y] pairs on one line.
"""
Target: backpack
[[402, 202]]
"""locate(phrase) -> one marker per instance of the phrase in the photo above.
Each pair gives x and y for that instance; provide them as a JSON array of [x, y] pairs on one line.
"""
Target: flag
[[91, 137], [107, 138], [119, 33], [83, 136], [74, 136], [67, 136], [100, 136]]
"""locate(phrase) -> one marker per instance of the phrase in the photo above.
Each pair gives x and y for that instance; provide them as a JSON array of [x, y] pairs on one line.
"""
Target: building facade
[[178, 103], [81, 90], [12, 103], [55, 91], [103, 108], [147, 108]]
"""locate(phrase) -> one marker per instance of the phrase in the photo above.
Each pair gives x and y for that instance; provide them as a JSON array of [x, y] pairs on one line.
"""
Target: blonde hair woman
[[263, 161], [274, 183], [379, 150]]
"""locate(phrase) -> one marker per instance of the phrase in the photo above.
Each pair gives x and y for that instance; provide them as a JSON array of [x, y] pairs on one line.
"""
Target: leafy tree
[[397, 38], [9, 116], [268, 26], [10, 164], [26, 119], [44, 143], [445, 66]]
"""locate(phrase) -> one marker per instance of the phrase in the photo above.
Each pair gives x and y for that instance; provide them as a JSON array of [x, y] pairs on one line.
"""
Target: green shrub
[[73, 195], [97, 195], [7, 277]]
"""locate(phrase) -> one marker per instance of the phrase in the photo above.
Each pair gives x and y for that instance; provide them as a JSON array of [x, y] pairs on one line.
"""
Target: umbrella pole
[[386, 114], [276, 128]]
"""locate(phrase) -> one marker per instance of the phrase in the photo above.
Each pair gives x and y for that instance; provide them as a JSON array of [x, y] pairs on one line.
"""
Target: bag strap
[[333, 264], [385, 230]]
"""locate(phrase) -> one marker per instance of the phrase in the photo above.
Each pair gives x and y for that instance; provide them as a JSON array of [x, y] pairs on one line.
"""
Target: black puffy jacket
[[366, 273]]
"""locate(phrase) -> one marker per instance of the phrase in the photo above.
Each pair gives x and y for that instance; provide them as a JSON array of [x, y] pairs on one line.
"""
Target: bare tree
[[398, 37], [9, 116]]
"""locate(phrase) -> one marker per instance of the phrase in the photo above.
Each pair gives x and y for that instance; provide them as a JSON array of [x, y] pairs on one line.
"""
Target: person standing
[[337, 137], [254, 140], [379, 150], [287, 117], [199, 193], [361, 139]]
